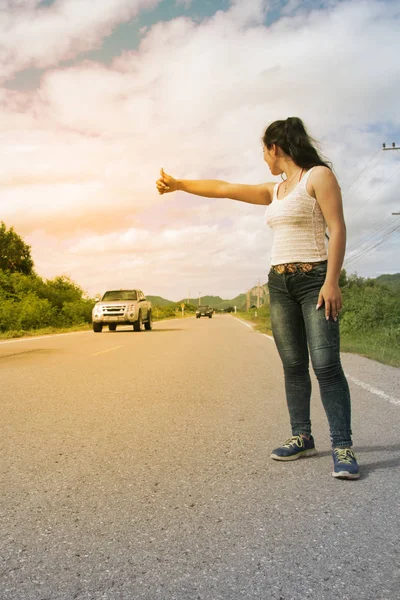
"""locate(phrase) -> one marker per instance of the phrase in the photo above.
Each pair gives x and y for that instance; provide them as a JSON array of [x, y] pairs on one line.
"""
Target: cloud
[[170, 262], [79, 156], [41, 36], [185, 3]]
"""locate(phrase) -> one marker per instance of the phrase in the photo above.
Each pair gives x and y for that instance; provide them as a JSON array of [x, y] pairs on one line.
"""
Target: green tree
[[15, 254], [343, 281], [78, 312], [60, 290], [36, 313]]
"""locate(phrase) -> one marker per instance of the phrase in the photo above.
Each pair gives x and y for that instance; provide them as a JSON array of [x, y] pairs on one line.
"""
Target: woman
[[305, 298]]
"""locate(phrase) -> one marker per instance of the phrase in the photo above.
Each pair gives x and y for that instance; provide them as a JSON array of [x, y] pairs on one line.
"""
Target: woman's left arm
[[327, 192]]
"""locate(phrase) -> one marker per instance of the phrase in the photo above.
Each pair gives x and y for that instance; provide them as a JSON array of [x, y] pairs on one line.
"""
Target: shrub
[[35, 312], [77, 312], [369, 307], [61, 290], [9, 315]]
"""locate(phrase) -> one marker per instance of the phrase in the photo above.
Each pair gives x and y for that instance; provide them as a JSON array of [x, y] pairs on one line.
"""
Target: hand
[[331, 296], [166, 183]]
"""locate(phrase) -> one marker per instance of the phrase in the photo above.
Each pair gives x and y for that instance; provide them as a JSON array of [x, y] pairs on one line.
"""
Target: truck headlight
[[131, 308]]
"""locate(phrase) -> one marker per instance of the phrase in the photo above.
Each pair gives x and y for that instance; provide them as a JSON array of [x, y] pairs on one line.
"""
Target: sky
[[96, 97]]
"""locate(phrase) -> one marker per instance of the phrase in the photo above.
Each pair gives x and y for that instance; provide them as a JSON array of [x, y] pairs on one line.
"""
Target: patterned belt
[[295, 267]]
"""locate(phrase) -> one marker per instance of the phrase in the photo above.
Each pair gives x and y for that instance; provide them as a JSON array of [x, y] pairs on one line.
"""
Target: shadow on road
[[392, 448], [162, 330], [143, 332], [25, 352], [389, 463], [366, 468]]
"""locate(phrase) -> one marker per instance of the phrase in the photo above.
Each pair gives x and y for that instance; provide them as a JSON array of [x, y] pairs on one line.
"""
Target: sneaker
[[345, 464], [295, 447]]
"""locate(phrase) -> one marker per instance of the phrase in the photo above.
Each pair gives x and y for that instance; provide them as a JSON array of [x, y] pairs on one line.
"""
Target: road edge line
[[372, 390], [42, 337], [243, 322], [362, 384]]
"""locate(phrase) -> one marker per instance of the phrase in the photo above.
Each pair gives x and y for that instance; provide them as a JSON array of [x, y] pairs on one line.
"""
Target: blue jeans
[[298, 329]]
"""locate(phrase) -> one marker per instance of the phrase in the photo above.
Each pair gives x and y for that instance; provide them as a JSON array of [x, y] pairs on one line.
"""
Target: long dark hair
[[291, 135]]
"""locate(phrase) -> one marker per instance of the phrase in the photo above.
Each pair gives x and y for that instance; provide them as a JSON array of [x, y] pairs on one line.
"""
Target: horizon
[[195, 300]]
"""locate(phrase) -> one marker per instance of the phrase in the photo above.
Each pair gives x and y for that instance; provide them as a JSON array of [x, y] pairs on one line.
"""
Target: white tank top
[[298, 225]]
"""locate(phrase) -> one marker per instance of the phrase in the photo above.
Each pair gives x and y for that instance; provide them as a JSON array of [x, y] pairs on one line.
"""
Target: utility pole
[[392, 147], [258, 294], [199, 298]]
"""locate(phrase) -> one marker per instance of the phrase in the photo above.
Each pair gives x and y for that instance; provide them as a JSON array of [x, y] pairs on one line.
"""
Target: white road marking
[[372, 390], [362, 384], [243, 323], [108, 350], [268, 336], [251, 327]]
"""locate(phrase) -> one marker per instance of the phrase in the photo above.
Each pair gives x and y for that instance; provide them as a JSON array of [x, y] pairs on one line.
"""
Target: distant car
[[122, 307], [204, 311]]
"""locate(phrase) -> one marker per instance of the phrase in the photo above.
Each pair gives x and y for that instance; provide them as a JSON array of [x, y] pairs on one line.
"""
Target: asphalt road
[[136, 466]]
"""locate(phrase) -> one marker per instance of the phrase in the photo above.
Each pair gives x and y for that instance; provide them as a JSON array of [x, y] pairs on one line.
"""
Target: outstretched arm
[[214, 188]]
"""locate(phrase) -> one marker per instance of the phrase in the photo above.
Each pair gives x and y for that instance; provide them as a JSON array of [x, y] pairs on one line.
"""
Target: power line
[[362, 171], [365, 247], [364, 250], [363, 253], [384, 226], [364, 237], [374, 194]]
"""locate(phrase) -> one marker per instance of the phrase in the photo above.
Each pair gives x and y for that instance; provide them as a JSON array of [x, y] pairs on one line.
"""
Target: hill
[[215, 301], [159, 301], [390, 281]]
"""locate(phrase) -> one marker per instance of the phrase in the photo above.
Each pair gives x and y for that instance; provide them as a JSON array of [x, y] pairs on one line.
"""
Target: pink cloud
[[42, 36]]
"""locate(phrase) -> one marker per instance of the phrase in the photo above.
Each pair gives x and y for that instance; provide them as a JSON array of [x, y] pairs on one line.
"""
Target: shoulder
[[321, 179]]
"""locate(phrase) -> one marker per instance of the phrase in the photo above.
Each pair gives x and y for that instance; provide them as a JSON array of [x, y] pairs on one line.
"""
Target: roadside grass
[[259, 317], [382, 346]]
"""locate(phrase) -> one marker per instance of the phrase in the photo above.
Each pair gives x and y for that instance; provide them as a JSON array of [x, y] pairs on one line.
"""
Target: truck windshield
[[119, 295]]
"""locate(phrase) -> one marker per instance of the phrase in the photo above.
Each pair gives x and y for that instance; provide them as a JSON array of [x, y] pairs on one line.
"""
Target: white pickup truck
[[122, 307]]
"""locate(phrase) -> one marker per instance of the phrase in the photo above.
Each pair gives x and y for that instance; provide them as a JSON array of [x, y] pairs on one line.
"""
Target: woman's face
[[272, 159]]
